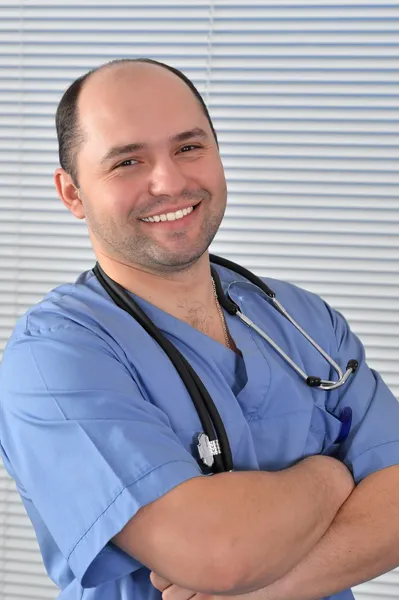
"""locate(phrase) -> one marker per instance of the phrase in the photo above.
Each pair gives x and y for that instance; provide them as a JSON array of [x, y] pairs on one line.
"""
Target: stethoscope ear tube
[[223, 298], [233, 309], [224, 262], [333, 385], [203, 403]]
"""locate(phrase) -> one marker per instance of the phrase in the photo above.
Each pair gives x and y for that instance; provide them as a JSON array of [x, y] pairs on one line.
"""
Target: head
[[136, 145]]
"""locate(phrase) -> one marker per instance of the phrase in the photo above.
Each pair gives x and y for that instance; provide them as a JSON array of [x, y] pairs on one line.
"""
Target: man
[[97, 428]]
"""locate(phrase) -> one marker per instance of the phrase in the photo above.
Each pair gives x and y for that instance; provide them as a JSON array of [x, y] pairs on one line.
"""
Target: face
[[152, 185]]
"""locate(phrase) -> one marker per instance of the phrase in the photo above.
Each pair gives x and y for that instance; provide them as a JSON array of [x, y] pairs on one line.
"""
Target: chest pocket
[[293, 421], [324, 432], [284, 438]]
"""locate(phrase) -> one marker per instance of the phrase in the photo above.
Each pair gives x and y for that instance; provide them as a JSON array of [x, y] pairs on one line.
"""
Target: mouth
[[170, 216]]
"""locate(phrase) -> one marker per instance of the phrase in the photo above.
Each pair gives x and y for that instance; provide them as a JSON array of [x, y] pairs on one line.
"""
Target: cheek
[[218, 182], [117, 195], [213, 177]]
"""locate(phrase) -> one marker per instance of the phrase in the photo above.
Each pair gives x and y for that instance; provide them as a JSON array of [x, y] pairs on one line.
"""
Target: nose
[[167, 178]]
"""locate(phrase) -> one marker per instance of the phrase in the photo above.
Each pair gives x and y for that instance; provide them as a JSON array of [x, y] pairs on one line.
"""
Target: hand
[[170, 591]]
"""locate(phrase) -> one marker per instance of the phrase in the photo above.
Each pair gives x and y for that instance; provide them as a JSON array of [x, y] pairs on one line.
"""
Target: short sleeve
[[85, 443], [373, 441]]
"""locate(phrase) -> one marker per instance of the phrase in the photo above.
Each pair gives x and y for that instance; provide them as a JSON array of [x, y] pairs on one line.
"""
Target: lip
[[166, 210]]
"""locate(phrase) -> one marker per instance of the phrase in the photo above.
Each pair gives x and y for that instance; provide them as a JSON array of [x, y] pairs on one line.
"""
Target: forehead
[[137, 103]]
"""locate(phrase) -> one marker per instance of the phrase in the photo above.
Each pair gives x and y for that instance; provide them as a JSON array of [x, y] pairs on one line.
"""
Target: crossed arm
[[233, 533], [303, 533], [360, 544]]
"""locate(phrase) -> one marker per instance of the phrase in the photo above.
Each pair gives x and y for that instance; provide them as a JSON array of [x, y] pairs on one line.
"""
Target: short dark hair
[[69, 132]]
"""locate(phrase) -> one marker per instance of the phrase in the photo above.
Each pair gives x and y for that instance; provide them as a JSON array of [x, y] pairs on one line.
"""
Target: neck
[[186, 294]]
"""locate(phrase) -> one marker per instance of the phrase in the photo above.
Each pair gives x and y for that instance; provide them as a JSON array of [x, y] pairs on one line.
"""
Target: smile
[[170, 216]]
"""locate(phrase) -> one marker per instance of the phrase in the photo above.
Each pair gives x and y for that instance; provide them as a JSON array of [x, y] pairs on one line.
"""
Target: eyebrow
[[184, 136], [188, 135]]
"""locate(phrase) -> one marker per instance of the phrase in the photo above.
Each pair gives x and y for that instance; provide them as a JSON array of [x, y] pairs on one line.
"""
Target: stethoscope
[[213, 444]]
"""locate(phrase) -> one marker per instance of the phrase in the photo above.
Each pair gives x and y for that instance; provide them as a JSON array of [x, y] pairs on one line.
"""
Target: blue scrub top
[[95, 422]]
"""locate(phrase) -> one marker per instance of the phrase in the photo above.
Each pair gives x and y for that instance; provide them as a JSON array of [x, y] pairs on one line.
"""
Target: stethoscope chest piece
[[208, 449]]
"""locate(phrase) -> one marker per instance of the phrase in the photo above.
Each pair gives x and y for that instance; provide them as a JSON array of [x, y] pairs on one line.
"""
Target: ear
[[69, 193]]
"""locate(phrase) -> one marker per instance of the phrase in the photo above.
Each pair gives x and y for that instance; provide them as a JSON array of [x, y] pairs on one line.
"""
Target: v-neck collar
[[248, 375]]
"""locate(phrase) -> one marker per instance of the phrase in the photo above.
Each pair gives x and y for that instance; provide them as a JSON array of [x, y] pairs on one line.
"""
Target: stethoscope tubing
[[207, 412]]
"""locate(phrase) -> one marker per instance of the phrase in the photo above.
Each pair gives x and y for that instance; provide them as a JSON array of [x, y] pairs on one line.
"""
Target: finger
[[159, 582], [174, 592]]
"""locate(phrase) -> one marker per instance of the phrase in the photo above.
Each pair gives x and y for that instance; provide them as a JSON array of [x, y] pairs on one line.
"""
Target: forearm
[[280, 517], [361, 544]]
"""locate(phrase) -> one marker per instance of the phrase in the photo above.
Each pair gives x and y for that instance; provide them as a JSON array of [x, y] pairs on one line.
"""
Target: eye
[[127, 163], [188, 148]]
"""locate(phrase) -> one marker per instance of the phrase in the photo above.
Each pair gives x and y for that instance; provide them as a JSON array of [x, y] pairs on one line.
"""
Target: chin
[[178, 260]]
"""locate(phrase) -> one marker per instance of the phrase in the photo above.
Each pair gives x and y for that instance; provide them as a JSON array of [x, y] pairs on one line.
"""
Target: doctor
[[98, 430]]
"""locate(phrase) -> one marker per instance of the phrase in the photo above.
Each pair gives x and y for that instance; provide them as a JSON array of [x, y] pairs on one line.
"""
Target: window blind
[[304, 96]]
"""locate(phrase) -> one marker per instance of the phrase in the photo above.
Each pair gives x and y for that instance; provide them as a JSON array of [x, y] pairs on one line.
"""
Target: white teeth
[[171, 216]]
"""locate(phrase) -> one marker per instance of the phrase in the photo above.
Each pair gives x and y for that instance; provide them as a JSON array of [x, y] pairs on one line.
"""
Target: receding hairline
[[129, 64], [123, 66], [126, 65]]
